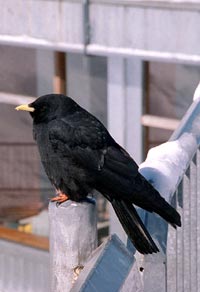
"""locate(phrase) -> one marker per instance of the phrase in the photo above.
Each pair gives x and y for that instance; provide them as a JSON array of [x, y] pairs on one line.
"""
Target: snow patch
[[166, 163], [197, 93]]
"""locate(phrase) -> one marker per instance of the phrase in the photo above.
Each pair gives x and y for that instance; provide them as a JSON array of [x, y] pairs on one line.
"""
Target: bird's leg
[[60, 198]]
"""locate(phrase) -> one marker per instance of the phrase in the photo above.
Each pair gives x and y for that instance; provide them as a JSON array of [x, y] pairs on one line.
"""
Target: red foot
[[60, 198]]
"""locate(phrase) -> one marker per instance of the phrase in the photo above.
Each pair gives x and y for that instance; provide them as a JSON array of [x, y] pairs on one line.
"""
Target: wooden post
[[60, 73], [73, 237]]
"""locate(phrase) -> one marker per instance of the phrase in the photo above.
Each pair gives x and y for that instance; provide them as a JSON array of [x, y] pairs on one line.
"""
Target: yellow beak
[[25, 107]]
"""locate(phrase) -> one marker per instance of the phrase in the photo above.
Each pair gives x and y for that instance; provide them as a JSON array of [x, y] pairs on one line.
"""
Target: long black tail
[[167, 212], [134, 227], [151, 200]]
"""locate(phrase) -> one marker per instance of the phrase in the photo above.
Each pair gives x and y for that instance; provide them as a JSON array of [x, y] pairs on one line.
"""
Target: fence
[[176, 170]]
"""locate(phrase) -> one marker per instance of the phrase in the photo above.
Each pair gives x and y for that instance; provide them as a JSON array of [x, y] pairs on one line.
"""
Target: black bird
[[79, 156]]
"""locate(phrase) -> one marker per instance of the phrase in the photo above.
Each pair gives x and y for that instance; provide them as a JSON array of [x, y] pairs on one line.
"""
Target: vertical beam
[[116, 120], [125, 98], [134, 70], [116, 98], [86, 24], [146, 136], [198, 220], [179, 243], [124, 113], [60, 73], [172, 258], [78, 73], [90, 74], [193, 224], [45, 73]]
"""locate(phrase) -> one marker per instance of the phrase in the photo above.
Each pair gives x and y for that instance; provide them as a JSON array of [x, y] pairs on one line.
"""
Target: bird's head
[[49, 107]]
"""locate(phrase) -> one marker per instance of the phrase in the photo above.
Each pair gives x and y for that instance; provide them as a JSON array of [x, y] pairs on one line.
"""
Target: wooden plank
[[60, 73], [31, 240], [159, 122]]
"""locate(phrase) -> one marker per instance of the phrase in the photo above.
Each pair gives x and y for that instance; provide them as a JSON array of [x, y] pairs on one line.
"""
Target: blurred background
[[133, 64]]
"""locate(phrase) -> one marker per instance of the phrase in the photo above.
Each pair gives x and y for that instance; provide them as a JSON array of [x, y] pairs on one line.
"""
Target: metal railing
[[183, 249], [174, 169], [183, 252]]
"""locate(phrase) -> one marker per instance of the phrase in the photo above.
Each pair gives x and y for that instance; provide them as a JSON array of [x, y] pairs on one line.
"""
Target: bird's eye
[[43, 108]]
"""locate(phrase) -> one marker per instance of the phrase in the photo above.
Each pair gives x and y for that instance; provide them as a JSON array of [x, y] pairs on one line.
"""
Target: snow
[[197, 93], [166, 163]]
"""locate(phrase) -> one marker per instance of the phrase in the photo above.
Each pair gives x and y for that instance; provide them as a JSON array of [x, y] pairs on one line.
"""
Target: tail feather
[[151, 200], [134, 227], [167, 212]]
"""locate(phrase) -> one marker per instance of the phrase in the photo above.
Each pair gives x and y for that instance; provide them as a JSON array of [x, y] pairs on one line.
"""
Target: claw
[[60, 198]]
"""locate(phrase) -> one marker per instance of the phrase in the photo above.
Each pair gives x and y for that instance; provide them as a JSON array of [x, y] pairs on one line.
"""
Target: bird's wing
[[86, 144], [91, 146]]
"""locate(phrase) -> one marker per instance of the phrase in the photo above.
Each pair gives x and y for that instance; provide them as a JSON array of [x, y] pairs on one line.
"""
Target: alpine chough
[[80, 156]]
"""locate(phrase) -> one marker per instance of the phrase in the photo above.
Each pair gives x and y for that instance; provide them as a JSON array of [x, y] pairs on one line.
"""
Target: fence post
[[73, 236]]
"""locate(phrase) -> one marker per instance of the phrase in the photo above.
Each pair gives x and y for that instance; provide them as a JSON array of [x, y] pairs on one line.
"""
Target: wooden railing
[[31, 240]]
